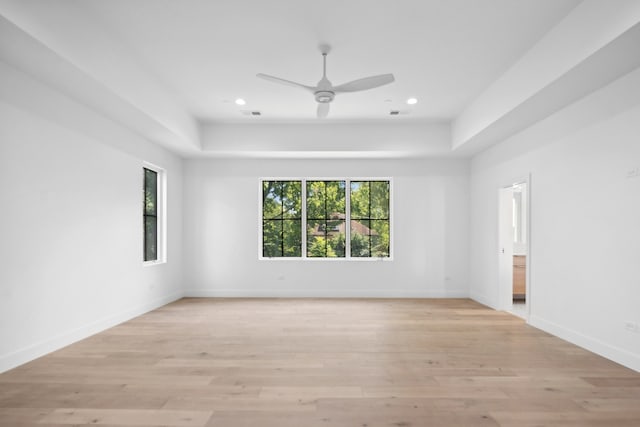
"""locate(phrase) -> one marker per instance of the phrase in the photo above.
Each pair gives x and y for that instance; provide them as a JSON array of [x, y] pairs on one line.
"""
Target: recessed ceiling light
[[240, 101], [412, 101]]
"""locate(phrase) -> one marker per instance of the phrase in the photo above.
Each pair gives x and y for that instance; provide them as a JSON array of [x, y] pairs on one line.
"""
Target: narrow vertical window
[[370, 219], [282, 219], [326, 219], [150, 215]]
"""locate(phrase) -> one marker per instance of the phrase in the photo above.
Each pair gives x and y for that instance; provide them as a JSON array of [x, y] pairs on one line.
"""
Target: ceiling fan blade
[[323, 110], [364, 84], [285, 82]]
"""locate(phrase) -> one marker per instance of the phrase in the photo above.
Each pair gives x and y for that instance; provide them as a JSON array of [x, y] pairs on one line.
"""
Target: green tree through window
[[331, 228], [326, 219], [282, 218], [370, 219]]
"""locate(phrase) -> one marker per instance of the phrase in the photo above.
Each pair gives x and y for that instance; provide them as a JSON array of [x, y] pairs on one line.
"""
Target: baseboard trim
[[236, 293], [27, 354], [482, 299], [616, 354]]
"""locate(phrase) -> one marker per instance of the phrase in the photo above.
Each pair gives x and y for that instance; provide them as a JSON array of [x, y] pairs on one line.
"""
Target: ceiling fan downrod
[[324, 94]]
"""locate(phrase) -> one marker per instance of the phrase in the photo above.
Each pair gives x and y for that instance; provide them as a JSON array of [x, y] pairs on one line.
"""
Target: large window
[[153, 214], [326, 218]]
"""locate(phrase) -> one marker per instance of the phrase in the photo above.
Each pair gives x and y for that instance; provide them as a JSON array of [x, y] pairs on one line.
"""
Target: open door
[[514, 247]]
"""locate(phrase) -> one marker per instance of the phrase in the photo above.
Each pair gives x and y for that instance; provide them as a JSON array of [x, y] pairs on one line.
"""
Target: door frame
[[502, 286]]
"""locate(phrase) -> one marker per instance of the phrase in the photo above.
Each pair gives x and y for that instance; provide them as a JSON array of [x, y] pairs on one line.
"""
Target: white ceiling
[[206, 53], [169, 70]]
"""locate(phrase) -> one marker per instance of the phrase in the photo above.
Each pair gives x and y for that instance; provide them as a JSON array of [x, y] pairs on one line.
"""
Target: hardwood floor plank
[[321, 362], [240, 404], [434, 392], [633, 382], [337, 419], [241, 363], [627, 405], [17, 417], [564, 419], [476, 404], [307, 393], [188, 391], [127, 417]]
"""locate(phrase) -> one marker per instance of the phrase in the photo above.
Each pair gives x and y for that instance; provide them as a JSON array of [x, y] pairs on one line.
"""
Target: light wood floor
[[321, 362]]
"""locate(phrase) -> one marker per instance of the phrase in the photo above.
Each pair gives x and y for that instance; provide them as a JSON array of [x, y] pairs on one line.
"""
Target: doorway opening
[[514, 289]]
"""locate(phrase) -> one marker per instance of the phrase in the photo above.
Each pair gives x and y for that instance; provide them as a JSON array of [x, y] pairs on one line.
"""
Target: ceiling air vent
[[398, 112], [394, 112], [251, 113]]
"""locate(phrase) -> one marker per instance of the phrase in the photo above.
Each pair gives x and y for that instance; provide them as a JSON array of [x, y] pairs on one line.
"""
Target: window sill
[[318, 259], [152, 263]]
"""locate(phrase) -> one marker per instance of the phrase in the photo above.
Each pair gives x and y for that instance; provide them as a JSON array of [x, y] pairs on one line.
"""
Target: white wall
[[395, 140], [70, 222], [585, 220], [430, 228]]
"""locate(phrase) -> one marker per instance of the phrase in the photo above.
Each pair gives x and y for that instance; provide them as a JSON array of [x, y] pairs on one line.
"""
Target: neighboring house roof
[[356, 228]]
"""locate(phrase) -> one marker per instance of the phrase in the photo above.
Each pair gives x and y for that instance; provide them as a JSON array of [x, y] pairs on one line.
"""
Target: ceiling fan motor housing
[[324, 96]]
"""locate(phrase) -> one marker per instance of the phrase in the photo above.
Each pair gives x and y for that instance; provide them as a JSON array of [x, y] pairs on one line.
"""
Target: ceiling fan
[[325, 92]]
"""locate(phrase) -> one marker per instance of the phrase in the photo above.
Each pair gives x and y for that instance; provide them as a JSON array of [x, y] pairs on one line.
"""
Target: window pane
[[316, 243], [326, 201], [281, 213], [315, 199], [317, 247], [150, 238], [271, 200], [291, 194], [150, 191], [380, 199], [360, 238], [379, 238], [292, 238], [326, 239], [370, 218], [149, 215], [336, 242], [359, 199], [281, 199], [272, 238], [335, 199]]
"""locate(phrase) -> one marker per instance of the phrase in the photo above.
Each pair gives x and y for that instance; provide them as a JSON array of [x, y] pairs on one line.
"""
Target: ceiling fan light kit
[[324, 96], [324, 92]]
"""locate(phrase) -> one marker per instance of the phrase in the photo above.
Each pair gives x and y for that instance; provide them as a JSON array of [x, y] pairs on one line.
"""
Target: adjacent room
[[339, 213]]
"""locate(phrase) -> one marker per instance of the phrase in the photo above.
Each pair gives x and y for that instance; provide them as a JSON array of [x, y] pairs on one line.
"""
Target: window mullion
[[303, 222], [326, 234], [347, 218], [370, 224], [281, 219]]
